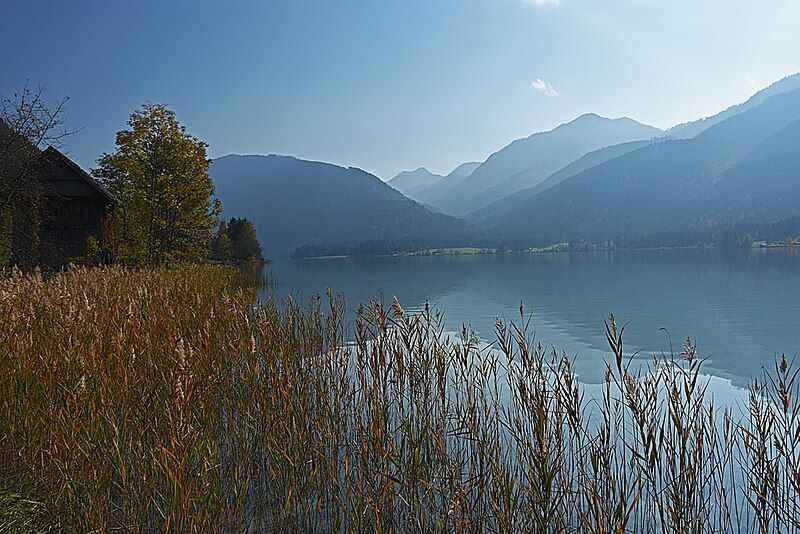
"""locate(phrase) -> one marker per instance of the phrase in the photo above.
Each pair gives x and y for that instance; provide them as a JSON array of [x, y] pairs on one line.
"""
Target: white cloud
[[544, 87], [543, 3]]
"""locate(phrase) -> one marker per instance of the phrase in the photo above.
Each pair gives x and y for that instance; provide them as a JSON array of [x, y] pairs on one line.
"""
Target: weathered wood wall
[[72, 209]]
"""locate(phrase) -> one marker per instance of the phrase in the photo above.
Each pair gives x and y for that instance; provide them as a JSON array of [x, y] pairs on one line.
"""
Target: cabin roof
[[54, 153]]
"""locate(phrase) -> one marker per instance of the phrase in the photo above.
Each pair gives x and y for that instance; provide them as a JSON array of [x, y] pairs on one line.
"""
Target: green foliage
[[236, 241], [221, 245], [159, 173], [244, 243]]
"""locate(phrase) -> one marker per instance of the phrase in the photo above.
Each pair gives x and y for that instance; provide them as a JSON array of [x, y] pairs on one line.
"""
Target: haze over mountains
[[293, 202], [411, 183], [592, 179], [691, 129], [672, 191], [581, 164], [436, 193], [527, 162]]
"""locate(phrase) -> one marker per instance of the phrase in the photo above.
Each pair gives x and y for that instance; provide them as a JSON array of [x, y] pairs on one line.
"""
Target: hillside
[[294, 202], [527, 162], [762, 188], [668, 191], [691, 129], [495, 209], [434, 194], [463, 170], [410, 183]]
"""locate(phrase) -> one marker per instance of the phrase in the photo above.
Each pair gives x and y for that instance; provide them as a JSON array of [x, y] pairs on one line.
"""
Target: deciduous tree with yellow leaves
[[159, 173]]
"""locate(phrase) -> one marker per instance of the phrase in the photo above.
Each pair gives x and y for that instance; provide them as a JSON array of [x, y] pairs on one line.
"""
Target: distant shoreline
[[334, 257], [476, 251]]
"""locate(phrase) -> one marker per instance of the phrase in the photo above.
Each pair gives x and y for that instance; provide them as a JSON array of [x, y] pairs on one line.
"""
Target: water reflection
[[741, 310]]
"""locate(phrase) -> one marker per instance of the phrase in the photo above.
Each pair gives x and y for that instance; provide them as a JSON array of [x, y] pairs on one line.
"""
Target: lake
[[741, 310]]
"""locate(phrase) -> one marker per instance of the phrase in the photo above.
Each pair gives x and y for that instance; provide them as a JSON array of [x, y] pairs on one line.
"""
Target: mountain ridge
[[583, 163], [433, 194], [687, 130], [411, 182], [294, 202], [528, 161], [643, 191]]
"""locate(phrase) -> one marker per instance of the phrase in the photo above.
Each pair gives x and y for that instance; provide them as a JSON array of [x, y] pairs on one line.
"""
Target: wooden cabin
[[73, 207]]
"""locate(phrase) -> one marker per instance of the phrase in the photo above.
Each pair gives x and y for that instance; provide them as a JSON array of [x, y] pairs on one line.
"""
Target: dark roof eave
[[83, 174]]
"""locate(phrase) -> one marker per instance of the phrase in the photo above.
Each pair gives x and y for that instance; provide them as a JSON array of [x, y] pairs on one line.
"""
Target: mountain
[[434, 194], [483, 215], [527, 162], [412, 182], [463, 170], [762, 188], [672, 191], [293, 202], [690, 129]]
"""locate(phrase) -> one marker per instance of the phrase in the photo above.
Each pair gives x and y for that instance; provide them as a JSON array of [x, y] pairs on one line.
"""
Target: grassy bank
[[163, 400]]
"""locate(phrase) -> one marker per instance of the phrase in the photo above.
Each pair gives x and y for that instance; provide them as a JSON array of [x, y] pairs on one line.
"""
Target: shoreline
[[470, 251]]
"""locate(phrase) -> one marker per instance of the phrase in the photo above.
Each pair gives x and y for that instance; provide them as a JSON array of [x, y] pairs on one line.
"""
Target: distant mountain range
[[762, 188], [293, 202], [410, 183], [592, 179], [434, 194], [581, 164], [527, 162], [743, 168], [691, 129]]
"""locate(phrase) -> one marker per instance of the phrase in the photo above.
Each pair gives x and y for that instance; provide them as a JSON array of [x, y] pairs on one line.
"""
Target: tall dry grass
[[165, 400]]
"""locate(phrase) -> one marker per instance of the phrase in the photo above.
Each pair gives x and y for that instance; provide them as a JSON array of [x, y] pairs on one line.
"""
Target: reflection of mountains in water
[[741, 310]]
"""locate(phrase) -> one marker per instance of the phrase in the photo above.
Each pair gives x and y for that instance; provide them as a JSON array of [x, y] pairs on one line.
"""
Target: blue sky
[[391, 85]]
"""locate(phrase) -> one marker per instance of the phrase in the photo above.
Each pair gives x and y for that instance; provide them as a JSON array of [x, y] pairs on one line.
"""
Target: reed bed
[[165, 400]]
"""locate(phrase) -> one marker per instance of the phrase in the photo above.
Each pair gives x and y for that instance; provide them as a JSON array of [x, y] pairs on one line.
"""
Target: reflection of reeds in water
[[251, 274], [161, 400]]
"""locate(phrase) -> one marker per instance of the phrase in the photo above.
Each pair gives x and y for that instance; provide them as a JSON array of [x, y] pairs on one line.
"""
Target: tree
[[244, 243], [28, 123], [221, 246], [159, 173]]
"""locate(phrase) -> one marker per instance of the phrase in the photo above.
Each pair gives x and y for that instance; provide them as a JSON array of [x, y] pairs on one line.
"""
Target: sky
[[390, 85]]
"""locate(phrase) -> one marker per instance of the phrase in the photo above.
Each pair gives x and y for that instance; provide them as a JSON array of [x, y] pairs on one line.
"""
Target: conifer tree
[[244, 243], [221, 246]]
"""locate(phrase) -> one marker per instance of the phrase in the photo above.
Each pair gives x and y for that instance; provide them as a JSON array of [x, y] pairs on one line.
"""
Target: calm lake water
[[741, 310]]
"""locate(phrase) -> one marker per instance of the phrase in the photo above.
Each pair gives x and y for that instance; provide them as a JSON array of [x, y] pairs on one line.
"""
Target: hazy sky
[[391, 85]]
